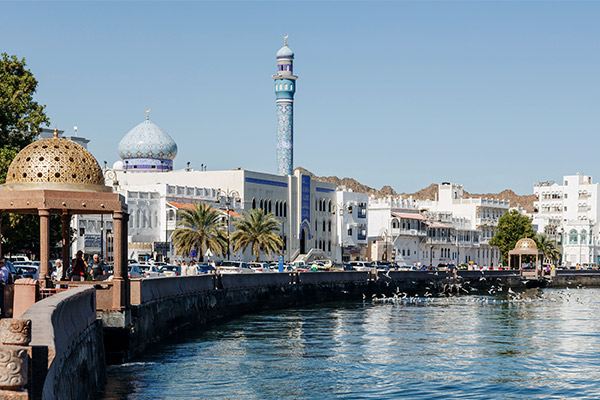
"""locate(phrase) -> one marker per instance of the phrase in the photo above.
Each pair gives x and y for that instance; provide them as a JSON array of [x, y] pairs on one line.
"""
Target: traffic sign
[[193, 253]]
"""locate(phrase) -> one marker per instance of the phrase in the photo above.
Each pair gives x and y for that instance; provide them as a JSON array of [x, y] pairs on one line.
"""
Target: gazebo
[[525, 246], [58, 176]]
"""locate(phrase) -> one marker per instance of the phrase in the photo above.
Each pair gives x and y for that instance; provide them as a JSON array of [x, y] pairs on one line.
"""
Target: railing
[[408, 232]]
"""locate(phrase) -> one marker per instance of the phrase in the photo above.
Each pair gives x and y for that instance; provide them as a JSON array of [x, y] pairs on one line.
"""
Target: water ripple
[[528, 345]]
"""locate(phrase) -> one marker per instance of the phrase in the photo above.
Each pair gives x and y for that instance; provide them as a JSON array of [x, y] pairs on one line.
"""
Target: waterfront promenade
[[158, 308]]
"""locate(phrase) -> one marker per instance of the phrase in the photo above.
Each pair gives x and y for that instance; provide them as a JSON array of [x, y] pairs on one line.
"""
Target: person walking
[[79, 267], [183, 268], [192, 269], [97, 268], [58, 272]]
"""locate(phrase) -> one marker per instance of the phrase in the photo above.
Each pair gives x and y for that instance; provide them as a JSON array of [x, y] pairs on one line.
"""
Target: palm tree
[[199, 229], [547, 246], [258, 230]]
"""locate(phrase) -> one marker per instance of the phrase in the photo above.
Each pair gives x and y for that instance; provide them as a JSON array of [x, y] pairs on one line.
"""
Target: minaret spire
[[285, 88]]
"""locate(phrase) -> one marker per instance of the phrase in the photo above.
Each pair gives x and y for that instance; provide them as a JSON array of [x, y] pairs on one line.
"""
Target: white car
[[150, 271], [261, 267], [234, 267], [362, 266]]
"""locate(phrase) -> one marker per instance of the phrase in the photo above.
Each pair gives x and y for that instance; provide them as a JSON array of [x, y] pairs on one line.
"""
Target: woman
[[79, 267]]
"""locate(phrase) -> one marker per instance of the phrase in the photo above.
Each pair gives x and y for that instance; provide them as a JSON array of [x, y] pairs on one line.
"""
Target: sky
[[493, 95]]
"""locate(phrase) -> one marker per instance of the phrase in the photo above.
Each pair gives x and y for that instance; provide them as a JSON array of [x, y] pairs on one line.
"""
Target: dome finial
[[55, 132], [147, 114], [285, 39]]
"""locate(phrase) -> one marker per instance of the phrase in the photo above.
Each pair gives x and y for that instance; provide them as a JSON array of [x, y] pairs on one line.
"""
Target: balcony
[[487, 221], [408, 232]]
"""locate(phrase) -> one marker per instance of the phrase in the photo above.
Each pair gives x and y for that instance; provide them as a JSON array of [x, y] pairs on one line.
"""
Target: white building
[[350, 212], [569, 214], [451, 229]]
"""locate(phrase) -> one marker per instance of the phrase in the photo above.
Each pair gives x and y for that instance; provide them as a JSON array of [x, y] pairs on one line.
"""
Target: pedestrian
[[97, 268], [192, 269], [79, 267], [58, 271], [5, 278], [183, 268]]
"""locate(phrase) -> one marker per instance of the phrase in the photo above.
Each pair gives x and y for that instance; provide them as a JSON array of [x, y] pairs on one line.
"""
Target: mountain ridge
[[427, 193]]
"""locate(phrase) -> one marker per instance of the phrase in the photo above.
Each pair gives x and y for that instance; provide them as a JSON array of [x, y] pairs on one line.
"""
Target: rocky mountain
[[428, 193]]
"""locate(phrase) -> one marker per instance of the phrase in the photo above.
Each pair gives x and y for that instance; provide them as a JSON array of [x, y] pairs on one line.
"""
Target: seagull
[[364, 297], [511, 291]]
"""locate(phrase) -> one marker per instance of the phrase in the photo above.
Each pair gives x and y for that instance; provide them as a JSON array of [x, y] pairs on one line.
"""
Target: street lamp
[[341, 207], [229, 197]]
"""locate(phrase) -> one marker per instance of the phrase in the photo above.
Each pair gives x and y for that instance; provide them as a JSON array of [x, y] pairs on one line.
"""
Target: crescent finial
[[147, 114], [285, 39]]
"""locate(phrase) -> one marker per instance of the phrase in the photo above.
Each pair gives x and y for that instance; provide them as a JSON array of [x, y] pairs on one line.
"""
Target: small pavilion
[[58, 176], [525, 246]]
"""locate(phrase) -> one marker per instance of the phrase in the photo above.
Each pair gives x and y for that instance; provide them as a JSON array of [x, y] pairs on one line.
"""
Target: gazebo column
[[120, 274], [44, 247], [66, 244]]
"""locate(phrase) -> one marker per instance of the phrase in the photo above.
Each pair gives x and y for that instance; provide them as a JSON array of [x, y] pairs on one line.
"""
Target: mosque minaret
[[285, 87]]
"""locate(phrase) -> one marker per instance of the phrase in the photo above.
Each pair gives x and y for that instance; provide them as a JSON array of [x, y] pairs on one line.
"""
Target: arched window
[[316, 204], [285, 209], [269, 206], [137, 219], [323, 225], [254, 204], [262, 205], [276, 208], [583, 236], [329, 207], [572, 236], [329, 229], [329, 246], [144, 219], [316, 226]]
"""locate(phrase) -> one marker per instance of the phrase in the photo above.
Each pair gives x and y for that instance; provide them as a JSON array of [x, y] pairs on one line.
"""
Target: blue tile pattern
[[285, 138], [149, 141]]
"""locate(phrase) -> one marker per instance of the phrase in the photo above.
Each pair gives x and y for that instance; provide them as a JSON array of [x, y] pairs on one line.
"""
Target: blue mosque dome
[[285, 51], [147, 147]]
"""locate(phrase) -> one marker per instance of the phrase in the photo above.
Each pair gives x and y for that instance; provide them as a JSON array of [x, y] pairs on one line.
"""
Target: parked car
[[260, 267], [341, 267], [27, 269], [234, 267], [362, 266], [150, 270], [206, 269], [171, 270], [134, 271]]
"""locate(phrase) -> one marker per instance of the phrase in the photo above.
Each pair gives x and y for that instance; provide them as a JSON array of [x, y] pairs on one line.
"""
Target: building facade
[[451, 229], [568, 213]]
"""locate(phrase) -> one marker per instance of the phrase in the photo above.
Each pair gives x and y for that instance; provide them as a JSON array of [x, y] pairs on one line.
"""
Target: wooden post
[[121, 273], [65, 219], [44, 247]]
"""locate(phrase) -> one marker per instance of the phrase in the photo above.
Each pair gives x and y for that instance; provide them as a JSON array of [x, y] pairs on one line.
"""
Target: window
[[572, 236], [316, 226], [565, 208], [329, 224], [349, 231], [254, 204], [583, 236], [323, 225], [565, 195]]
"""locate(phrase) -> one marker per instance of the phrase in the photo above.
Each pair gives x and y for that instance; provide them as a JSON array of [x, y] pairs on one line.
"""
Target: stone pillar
[[26, 290], [120, 275], [15, 335], [44, 247], [66, 244]]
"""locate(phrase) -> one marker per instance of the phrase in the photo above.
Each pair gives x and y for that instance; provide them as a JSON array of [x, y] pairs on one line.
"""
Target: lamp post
[[229, 197], [341, 207]]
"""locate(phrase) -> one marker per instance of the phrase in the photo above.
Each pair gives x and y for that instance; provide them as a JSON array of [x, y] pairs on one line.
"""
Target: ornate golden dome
[[55, 163], [526, 243]]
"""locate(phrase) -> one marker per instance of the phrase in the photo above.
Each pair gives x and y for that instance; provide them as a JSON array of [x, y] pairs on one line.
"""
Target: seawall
[[163, 306]]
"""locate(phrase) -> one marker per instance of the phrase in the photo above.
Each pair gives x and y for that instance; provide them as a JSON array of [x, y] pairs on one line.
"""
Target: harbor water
[[542, 343]]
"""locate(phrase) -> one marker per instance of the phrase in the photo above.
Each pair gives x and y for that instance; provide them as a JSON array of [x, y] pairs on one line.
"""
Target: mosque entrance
[[303, 235]]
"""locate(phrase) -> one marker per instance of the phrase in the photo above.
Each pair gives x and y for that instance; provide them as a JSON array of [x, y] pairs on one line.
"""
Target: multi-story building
[[450, 229], [568, 213], [350, 211]]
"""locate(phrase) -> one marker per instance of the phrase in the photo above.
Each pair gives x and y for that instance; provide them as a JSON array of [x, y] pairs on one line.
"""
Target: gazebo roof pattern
[[147, 140], [55, 164]]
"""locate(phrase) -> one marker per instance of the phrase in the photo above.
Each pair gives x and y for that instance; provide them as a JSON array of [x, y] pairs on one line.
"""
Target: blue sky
[[492, 95]]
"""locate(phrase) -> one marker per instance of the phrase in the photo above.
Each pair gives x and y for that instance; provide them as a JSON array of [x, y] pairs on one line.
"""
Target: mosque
[[155, 193]]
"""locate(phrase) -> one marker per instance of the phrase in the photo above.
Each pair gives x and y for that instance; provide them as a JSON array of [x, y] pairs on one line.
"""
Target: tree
[[512, 226], [547, 246], [200, 229], [258, 230], [20, 116], [20, 121]]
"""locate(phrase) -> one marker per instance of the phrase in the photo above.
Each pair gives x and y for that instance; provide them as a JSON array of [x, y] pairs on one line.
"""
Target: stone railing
[[68, 350], [150, 289], [327, 277]]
